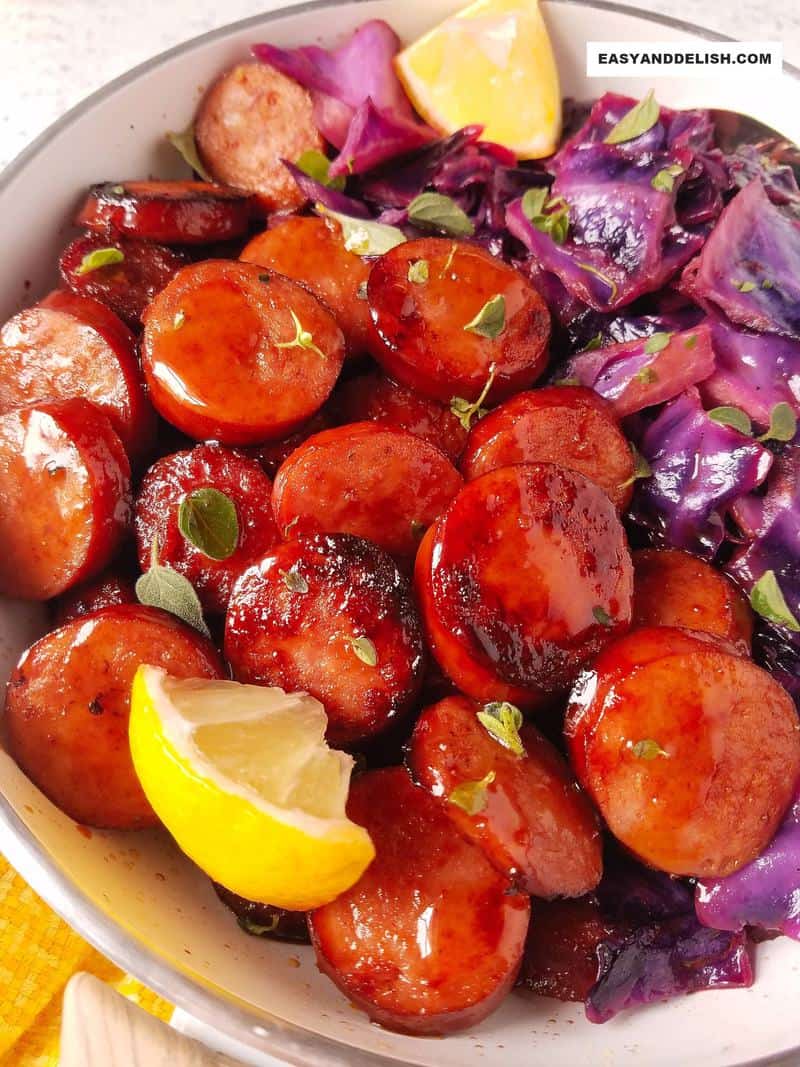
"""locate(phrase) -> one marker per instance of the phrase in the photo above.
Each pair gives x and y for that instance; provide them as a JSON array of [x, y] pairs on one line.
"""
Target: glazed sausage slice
[[531, 820], [523, 580], [311, 251], [111, 587], [74, 346], [429, 940], [691, 753], [173, 479], [365, 479], [334, 617], [64, 497], [560, 957], [265, 920], [674, 588], [251, 119], [172, 213], [568, 425], [68, 703], [127, 287], [375, 397], [238, 355], [422, 335]]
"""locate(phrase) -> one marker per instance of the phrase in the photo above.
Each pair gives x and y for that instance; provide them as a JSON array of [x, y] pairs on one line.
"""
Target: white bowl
[[133, 895]]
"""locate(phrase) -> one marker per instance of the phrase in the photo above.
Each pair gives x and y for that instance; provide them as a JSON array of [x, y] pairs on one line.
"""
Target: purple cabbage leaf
[[750, 265], [357, 95], [699, 468], [664, 960], [647, 371]]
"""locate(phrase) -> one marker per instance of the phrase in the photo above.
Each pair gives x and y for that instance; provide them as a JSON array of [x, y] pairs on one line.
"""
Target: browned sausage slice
[[237, 354], [447, 336], [127, 286], [64, 497], [520, 805], [692, 754], [250, 119], [526, 577], [674, 588], [365, 479], [311, 251], [429, 940], [174, 478], [68, 703], [376, 397], [74, 346], [331, 616], [179, 213], [568, 425]]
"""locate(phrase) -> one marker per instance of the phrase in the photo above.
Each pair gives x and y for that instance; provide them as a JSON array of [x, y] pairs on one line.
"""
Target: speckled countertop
[[55, 52]]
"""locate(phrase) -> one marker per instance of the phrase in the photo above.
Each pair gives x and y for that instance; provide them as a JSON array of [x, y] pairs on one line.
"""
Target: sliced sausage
[[692, 754], [531, 819], [251, 119], [330, 615], [674, 588], [68, 704], [429, 940], [112, 587], [238, 355], [375, 397], [422, 335], [568, 425], [311, 251], [560, 957], [74, 346], [365, 479], [64, 497], [172, 213], [265, 920], [167, 485], [127, 287], [525, 578]]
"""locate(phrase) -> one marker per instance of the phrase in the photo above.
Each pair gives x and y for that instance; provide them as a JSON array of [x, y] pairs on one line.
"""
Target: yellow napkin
[[38, 955]]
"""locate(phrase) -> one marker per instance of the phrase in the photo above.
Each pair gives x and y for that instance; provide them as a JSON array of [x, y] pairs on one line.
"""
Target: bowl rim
[[221, 1011]]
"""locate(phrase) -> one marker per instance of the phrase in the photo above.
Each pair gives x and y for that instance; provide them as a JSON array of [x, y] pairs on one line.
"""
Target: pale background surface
[[55, 52]]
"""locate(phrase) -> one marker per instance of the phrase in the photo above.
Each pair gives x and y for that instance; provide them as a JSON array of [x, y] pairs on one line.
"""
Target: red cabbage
[[632, 893], [374, 136], [748, 162], [699, 467], [632, 378], [342, 80], [665, 960], [626, 237], [750, 265], [323, 194], [765, 892], [754, 371]]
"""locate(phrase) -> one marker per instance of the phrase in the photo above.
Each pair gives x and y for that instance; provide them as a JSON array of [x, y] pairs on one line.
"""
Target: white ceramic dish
[[134, 896]]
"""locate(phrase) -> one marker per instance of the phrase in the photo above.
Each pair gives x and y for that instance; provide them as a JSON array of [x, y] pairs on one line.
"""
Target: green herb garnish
[[782, 423], [162, 587], [641, 118], [465, 411], [365, 650], [302, 338], [551, 216], [768, 600], [503, 721], [100, 257], [471, 796], [186, 145], [418, 271], [294, 580], [363, 236], [491, 319], [317, 166], [648, 749], [641, 468], [207, 519], [726, 415], [657, 342], [664, 181], [433, 211]]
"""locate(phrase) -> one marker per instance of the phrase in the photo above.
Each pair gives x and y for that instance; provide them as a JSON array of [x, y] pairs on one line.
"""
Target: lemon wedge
[[242, 778], [493, 64]]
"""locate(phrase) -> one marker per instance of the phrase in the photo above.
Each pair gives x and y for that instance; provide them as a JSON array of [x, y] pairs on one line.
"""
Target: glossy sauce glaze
[[421, 335], [690, 751], [526, 576], [224, 357], [429, 940]]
